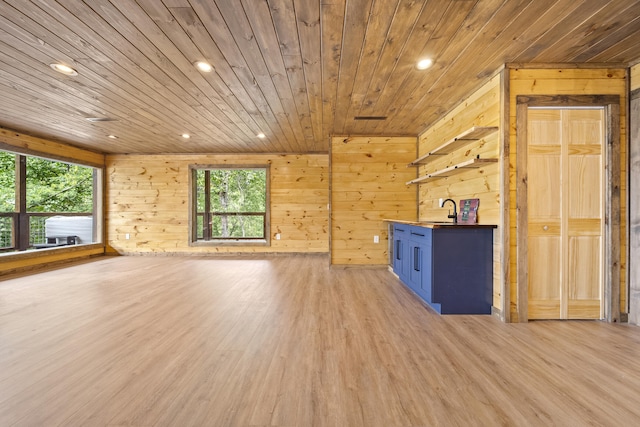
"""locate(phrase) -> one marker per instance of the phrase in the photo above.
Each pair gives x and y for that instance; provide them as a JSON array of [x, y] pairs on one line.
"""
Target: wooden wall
[[635, 77], [368, 176], [148, 197], [482, 108], [25, 144], [566, 81]]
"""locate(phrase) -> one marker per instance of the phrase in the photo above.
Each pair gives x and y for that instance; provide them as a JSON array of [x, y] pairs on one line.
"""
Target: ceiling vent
[[370, 118], [101, 119]]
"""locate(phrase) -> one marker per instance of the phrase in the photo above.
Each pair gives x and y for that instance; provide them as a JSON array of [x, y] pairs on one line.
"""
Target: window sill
[[39, 253], [230, 242]]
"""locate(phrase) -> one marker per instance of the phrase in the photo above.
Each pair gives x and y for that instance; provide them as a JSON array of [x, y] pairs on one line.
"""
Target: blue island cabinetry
[[450, 267]]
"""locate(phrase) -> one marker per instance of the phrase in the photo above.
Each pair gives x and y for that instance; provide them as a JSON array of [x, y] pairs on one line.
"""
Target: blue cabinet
[[449, 267], [401, 251], [420, 261]]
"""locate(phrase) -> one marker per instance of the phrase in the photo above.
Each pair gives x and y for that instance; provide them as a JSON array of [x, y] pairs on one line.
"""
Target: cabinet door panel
[[401, 252], [421, 261], [426, 270], [415, 275]]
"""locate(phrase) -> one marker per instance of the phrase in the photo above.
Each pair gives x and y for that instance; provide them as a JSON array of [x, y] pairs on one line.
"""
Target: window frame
[[193, 208], [22, 249]]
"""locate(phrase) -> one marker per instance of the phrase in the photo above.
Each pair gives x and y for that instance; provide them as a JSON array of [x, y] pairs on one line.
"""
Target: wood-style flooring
[[287, 341]]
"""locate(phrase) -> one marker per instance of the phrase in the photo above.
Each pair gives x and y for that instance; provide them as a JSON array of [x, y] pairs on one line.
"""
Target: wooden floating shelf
[[452, 170], [473, 134]]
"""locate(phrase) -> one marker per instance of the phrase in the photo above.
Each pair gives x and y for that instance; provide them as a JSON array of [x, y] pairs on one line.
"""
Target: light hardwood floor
[[286, 341]]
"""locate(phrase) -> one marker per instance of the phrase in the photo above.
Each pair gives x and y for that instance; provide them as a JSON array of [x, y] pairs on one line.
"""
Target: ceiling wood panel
[[296, 70], [589, 30], [353, 35], [308, 24], [397, 64], [331, 44], [471, 23]]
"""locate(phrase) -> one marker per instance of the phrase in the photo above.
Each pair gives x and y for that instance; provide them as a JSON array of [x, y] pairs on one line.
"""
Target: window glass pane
[[37, 230], [7, 182], [238, 190], [200, 193], [238, 226], [6, 240], [58, 187]]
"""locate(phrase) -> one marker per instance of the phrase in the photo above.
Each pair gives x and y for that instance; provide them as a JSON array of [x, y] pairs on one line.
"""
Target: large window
[[46, 203], [230, 204]]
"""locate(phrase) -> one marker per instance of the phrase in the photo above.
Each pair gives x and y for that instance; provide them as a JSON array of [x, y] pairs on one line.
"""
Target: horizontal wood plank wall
[[482, 108], [147, 197], [569, 81], [368, 176], [25, 144]]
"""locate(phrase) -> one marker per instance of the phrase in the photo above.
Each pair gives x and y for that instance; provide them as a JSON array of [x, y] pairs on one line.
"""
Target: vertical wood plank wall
[[634, 199], [368, 176], [635, 77], [567, 81], [482, 108], [25, 144], [148, 197]]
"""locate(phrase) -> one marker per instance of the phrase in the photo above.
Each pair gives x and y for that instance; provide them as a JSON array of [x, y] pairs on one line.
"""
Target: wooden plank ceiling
[[295, 70]]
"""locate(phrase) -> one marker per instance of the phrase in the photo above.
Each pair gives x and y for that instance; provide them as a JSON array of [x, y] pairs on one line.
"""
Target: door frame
[[633, 213], [611, 185]]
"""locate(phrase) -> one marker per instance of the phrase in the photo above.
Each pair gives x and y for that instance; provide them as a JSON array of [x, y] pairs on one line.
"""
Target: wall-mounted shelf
[[452, 170], [473, 134]]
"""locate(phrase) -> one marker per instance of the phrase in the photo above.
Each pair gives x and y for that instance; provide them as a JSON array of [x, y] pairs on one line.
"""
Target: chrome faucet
[[454, 216]]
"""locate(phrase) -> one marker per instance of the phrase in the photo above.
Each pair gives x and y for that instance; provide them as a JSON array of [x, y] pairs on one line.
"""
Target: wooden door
[[565, 211]]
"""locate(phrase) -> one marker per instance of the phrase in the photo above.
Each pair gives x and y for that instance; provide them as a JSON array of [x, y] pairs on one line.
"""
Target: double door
[[565, 213]]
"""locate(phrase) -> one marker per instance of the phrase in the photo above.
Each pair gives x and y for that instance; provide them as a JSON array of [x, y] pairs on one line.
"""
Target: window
[[46, 203], [230, 205]]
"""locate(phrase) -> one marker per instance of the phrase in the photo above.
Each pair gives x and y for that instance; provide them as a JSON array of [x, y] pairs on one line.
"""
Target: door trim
[[611, 255]]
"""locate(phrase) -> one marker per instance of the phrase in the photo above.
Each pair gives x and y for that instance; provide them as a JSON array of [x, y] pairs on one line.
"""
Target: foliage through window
[[45, 203], [231, 203]]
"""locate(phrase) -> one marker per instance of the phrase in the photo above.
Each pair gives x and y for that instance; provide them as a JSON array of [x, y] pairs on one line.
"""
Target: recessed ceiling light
[[64, 69], [186, 136], [423, 64], [261, 135], [204, 66], [112, 137]]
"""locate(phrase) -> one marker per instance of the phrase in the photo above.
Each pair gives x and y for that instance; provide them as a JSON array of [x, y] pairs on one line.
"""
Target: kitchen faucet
[[454, 216]]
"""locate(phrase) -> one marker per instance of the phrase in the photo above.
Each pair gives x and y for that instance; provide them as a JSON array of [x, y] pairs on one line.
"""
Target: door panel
[[585, 190], [565, 209], [545, 272], [584, 126], [545, 201], [545, 209]]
